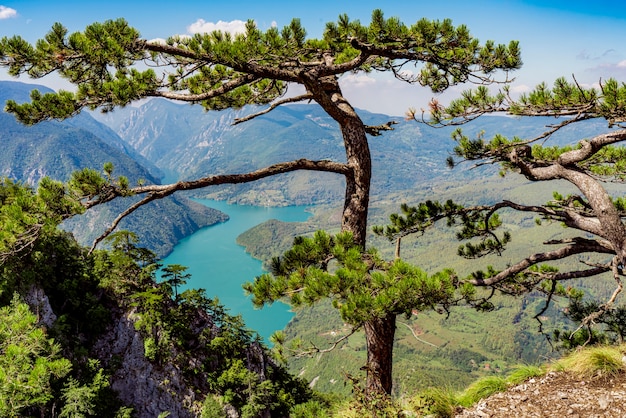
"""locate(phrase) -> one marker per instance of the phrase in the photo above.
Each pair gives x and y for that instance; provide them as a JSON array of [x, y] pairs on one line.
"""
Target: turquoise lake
[[220, 266]]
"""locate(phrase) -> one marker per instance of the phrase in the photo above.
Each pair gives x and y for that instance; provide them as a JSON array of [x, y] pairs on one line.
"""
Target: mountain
[[187, 142], [55, 149]]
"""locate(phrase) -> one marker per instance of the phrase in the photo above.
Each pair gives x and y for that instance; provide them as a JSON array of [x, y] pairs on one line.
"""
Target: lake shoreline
[[218, 264]]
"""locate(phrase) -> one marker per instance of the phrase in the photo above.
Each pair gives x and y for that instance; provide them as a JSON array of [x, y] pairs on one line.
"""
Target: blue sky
[[558, 38]]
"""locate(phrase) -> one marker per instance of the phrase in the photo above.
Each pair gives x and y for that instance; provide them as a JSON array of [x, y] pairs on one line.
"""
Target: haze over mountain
[[160, 137], [55, 149], [186, 142]]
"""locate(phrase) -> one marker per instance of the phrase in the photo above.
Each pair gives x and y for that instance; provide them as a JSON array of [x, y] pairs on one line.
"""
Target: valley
[[220, 266], [431, 349]]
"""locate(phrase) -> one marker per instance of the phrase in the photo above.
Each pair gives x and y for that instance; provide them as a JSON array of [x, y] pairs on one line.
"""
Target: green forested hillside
[[434, 349], [98, 334]]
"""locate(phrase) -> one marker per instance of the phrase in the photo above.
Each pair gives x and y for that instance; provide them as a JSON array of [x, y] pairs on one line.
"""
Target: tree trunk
[[358, 156], [379, 336], [357, 196]]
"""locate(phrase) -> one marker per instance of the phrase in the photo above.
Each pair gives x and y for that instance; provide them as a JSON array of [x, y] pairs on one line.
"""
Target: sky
[[584, 39]]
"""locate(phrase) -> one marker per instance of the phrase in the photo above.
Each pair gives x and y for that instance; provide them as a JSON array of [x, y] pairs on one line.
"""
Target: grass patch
[[593, 362], [436, 402], [482, 388], [443, 402], [524, 373]]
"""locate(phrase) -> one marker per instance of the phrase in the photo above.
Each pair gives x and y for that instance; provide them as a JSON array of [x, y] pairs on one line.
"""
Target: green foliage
[[442, 402], [361, 285], [30, 362], [310, 409], [26, 215], [174, 275], [378, 405], [563, 99], [482, 389], [608, 325], [523, 373], [80, 400], [212, 408], [82, 289], [475, 222], [436, 402], [100, 61], [416, 219]]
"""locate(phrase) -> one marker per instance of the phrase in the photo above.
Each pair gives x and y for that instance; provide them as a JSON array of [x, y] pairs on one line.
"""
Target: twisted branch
[[159, 191]]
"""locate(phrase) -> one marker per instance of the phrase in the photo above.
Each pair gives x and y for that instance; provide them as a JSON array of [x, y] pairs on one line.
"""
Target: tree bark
[[379, 336], [358, 157], [357, 196]]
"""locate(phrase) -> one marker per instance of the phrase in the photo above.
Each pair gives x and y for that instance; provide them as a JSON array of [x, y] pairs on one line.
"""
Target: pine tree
[[174, 275], [592, 213], [219, 70]]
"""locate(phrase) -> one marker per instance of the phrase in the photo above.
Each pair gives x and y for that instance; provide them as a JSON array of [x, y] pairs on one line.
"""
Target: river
[[220, 266]]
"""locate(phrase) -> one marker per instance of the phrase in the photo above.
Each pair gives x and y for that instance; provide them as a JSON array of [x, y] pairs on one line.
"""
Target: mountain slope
[[187, 142], [55, 149]]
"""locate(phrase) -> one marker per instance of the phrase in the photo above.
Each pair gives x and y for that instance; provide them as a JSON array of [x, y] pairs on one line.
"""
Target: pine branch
[[590, 319], [579, 246], [376, 130], [223, 89], [316, 350], [118, 219], [273, 106], [159, 191]]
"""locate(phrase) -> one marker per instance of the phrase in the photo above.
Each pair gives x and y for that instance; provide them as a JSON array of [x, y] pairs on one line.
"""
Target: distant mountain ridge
[[159, 137], [186, 142], [55, 149]]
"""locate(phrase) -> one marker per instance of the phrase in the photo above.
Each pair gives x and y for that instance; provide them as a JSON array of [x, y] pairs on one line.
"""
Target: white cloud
[[358, 80], [202, 26], [157, 41], [7, 12], [161, 41], [608, 70], [520, 88]]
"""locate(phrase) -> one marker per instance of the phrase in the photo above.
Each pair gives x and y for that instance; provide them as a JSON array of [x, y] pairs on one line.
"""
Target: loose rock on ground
[[556, 394]]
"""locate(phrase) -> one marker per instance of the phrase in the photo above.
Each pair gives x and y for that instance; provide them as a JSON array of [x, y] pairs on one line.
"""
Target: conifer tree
[[592, 212], [174, 275], [219, 70]]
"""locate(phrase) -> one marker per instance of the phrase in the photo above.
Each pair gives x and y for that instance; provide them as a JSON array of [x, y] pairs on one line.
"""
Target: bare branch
[[273, 106], [376, 130], [118, 219], [23, 243], [159, 191], [590, 147], [546, 305], [316, 350], [223, 89], [578, 246], [590, 319]]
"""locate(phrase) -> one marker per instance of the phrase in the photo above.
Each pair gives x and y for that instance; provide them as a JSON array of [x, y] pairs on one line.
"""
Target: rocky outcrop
[[39, 303], [557, 394], [177, 384], [150, 389]]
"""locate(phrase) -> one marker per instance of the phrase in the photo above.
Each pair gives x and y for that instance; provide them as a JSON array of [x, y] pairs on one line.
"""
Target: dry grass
[[594, 362]]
